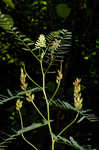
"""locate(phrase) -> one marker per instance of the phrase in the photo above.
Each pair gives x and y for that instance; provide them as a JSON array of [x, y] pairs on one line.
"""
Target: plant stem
[[38, 110], [54, 94], [53, 143], [48, 67], [34, 55], [47, 103], [23, 134], [32, 79], [68, 125]]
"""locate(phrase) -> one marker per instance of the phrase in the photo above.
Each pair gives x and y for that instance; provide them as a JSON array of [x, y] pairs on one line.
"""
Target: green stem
[[48, 114], [38, 110], [53, 143], [35, 55], [23, 134], [54, 94], [63, 130], [47, 102], [58, 85], [48, 67], [32, 79]]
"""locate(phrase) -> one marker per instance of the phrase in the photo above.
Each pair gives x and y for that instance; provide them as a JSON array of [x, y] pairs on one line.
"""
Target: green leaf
[[97, 41], [70, 142], [29, 90], [32, 127], [64, 140], [4, 100], [86, 113], [86, 58], [63, 10], [81, 119], [25, 129], [9, 3], [9, 92], [6, 21], [63, 39], [94, 53], [75, 144]]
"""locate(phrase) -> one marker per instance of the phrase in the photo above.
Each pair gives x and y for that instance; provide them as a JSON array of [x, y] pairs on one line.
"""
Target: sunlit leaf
[[86, 58], [9, 3], [6, 21], [44, 2]]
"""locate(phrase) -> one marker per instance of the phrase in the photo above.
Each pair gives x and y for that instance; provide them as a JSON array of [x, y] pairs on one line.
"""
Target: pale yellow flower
[[23, 80], [59, 76], [41, 42], [55, 44], [77, 94]]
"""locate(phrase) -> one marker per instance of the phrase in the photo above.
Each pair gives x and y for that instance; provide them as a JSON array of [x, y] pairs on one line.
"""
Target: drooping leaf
[[70, 142], [22, 39], [75, 144], [64, 140], [9, 92], [18, 95], [32, 127], [29, 90], [87, 114], [81, 119]]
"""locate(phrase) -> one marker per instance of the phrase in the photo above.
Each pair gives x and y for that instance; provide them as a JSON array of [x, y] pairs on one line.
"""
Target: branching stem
[[23, 134], [47, 104], [64, 129], [32, 79], [38, 110]]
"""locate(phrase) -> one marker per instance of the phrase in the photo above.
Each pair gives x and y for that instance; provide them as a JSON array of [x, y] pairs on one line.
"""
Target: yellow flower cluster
[[23, 80], [18, 104], [59, 76], [77, 94], [29, 97], [54, 46], [41, 42]]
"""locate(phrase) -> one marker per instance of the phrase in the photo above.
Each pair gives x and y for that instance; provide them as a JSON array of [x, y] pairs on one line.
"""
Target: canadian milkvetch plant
[[48, 51]]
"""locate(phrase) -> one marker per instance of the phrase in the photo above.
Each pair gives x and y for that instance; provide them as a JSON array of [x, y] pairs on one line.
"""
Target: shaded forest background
[[33, 17]]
